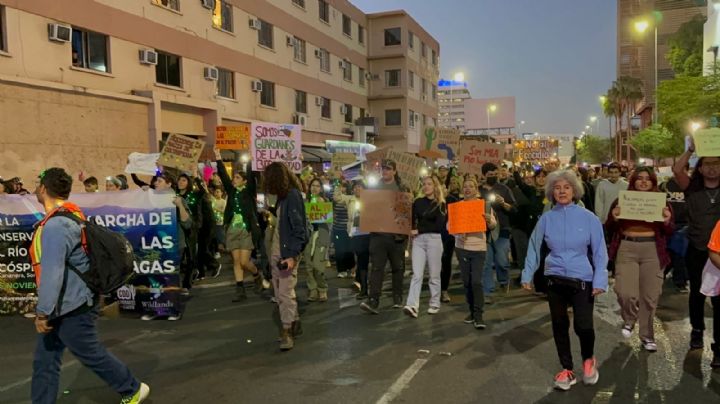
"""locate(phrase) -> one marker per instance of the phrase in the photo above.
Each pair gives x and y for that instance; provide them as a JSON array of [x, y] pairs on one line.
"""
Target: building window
[[267, 96], [434, 92], [392, 78], [300, 50], [89, 50], [324, 60], [265, 34], [393, 36], [411, 79], [299, 3], [423, 50], [361, 76], [434, 57], [423, 86], [347, 25], [347, 71], [424, 120], [393, 117], [411, 118], [325, 110], [223, 15], [300, 102], [3, 42], [362, 113], [348, 113], [226, 83], [361, 34], [171, 4], [167, 71], [411, 40], [324, 10]]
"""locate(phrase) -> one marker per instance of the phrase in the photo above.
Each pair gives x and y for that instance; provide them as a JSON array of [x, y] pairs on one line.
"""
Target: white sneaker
[[627, 331], [148, 317], [433, 310], [342, 275], [139, 396], [410, 311], [650, 346], [175, 317]]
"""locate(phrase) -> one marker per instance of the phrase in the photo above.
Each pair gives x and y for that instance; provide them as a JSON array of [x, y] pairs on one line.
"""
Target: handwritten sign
[[391, 211], [440, 143], [319, 212], [408, 167], [474, 153], [273, 142], [233, 137], [646, 206], [707, 142], [536, 150], [181, 152], [467, 217], [340, 160]]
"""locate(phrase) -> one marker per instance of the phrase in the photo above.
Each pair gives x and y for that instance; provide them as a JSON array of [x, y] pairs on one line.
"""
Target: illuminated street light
[[694, 126], [642, 26], [460, 76], [593, 119]]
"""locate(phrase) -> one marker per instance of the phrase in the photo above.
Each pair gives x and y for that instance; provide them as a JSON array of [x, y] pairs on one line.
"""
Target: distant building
[[711, 37], [451, 104]]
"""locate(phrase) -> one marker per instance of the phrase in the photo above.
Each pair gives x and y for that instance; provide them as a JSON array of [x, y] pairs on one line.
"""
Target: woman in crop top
[[638, 248]]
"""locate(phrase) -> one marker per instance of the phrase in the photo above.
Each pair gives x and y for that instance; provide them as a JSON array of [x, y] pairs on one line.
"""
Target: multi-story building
[[711, 37], [85, 82], [451, 103]]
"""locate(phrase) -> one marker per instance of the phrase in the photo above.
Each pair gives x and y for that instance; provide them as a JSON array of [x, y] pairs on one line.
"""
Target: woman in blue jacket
[[576, 271]]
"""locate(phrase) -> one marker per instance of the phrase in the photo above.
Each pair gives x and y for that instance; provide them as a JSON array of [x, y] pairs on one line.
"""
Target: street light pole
[[655, 108]]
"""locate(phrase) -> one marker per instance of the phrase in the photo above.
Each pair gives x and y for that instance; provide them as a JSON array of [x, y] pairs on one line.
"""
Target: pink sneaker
[[565, 379], [590, 372]]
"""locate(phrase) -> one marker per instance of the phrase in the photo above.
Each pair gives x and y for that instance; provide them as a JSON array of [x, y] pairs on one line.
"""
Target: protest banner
[[273, 142], [391, 211], [236, 137], [142, 163], [707, 142], [340, 160], [646, 206], [474, 153], [408, 167], [181, 152], [536, 150], [146, 218], [319, 212], [440, 143], [467, 217]]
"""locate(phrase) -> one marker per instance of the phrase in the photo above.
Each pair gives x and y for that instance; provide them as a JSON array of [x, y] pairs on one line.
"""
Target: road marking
[[402, 382]]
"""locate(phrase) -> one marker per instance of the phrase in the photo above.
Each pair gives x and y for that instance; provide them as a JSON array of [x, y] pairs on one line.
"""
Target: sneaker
[[286, 340], [217, 271], [370, 307], [627, 331], [398, 302], [322, 296], [175, 317], [445, 297], [564, 380], [590, 372], [433, 310], [410, 311], [357, 285], [361, 296], [342, 275], [696, 339], [468, 319], [139, 396], [266, 284], [682, 289], [650, 346], [313, 296], [479, 324], [148, 317]]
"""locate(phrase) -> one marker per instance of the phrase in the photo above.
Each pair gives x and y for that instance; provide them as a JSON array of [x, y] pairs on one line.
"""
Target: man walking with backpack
[[67, 308]]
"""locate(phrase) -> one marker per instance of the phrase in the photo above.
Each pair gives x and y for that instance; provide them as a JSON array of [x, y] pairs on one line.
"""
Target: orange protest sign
[[232, 137], [467, 217]]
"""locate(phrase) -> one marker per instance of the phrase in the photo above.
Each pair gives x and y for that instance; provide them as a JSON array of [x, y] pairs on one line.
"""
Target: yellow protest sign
[[340, 160], [707, 142], [645, 206], [236, 137]]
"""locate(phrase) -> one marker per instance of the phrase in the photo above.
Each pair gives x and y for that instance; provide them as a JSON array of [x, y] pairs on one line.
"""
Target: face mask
[[491, 181]]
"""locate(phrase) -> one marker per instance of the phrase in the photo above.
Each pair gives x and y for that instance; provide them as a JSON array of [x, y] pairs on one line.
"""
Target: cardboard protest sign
[[467, 217], [374, 158], [440, 143], [647, 206], [142, 163], [181, 152], [274, 142], [235, 137], [340, 160], [319, 212], [707, 142], [408, 167], [474, 153], [391, 211], [536, 150]]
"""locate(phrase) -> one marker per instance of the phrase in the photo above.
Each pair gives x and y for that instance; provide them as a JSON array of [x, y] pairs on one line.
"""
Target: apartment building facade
[[85, 82], [451, 104]]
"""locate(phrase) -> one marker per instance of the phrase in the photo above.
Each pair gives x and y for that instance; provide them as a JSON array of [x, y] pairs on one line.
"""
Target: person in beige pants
[[638, 248]]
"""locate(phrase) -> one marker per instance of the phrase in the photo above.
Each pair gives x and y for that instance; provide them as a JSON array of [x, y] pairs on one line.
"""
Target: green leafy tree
[[686, 48], [686, 99], [594, 149], [657, 142]]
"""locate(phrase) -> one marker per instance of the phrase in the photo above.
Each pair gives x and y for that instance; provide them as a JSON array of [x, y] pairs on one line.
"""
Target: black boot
[[696, 339], [240, 294]]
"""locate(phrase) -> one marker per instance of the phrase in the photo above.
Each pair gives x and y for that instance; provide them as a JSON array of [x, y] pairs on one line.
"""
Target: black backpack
[[111, 256]]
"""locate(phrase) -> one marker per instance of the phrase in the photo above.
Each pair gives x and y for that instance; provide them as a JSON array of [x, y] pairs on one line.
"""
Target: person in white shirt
[[608, 190]]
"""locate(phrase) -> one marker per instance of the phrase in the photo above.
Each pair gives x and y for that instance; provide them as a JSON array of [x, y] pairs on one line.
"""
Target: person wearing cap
[[386, 247], [18, 186]]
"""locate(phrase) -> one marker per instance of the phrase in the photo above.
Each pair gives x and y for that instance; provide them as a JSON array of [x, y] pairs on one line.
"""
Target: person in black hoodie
[[453, 185], [529, 217]]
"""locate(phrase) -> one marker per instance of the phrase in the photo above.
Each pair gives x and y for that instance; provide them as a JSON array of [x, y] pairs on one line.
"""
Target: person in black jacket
[[288, 241], [242, 232], [536, 197], [453, 185], [205, 258]]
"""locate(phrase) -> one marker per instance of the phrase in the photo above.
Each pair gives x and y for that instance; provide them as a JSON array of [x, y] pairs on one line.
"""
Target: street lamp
[[641, 26], [694, 126], [594, 119], [490, 108]]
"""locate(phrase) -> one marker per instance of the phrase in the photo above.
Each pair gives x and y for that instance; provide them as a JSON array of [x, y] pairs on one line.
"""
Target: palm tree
[[629, 92]]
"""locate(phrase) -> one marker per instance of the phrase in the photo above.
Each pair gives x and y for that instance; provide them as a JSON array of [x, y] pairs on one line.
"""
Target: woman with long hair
[[429, 217], [288, 241], [316, 248], [639, 251]]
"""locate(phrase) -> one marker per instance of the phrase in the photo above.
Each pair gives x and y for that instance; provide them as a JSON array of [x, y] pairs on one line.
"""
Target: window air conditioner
[[148, 57], [211, 73], [343, 109], [255, 24], [256, 86], [59, 32], [319, 101], [299, 119]]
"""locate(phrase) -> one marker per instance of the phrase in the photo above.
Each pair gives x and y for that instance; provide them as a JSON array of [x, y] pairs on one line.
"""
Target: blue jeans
[[497, 257], [79, 334]]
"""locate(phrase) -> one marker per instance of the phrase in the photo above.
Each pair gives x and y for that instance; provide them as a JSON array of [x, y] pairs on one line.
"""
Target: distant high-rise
[[451, 108]]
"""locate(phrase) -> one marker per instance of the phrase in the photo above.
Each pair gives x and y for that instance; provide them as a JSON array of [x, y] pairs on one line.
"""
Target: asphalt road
[[223, 352]]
